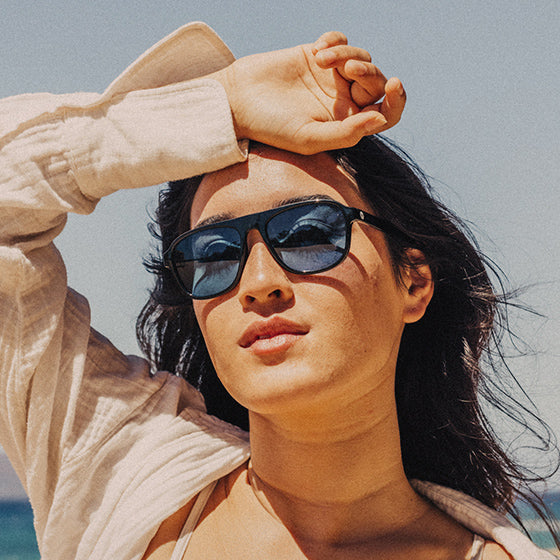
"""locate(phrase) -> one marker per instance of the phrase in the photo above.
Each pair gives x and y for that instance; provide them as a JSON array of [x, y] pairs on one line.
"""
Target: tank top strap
[[477, 548], [191, 522]]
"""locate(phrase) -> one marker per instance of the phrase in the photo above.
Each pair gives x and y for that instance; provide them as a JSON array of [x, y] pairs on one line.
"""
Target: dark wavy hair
[[449, 362]]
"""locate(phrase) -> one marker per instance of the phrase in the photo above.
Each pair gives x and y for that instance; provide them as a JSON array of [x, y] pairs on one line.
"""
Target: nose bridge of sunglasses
[[252, 229], [257, 244]]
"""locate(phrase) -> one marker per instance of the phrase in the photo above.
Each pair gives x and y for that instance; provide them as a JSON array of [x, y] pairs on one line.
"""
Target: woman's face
[[282, 342]]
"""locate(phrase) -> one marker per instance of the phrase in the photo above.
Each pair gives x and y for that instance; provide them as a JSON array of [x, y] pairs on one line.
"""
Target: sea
[[17, 537]]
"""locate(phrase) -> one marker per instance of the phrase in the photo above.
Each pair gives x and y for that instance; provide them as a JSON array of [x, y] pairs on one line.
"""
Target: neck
[[336, 475]]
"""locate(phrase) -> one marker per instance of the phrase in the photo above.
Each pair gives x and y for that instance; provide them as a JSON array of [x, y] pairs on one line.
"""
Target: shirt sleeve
[[60, 154]]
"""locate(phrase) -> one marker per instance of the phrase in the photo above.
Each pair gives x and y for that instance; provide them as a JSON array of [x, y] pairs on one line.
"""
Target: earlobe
[[419, 284]]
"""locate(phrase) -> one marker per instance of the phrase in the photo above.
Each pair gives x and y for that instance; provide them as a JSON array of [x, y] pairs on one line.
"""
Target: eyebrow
[[216, 218]]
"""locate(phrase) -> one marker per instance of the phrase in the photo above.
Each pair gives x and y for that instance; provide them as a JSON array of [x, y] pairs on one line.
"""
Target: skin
[[348, 322]]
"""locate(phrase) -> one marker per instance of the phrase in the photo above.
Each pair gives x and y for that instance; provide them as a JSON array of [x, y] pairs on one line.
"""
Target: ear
[[419, 286]]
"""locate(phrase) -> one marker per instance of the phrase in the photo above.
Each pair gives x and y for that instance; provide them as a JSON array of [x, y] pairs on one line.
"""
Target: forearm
[[60, 154], [65, 152]]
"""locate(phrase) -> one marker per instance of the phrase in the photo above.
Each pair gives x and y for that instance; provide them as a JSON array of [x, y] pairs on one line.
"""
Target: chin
[[278, 387]]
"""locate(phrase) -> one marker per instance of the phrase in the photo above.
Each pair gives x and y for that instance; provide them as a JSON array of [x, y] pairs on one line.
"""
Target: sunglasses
[[303, 238]]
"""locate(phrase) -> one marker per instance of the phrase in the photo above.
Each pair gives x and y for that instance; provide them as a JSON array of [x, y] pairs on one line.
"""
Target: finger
[[362, 97], [329, 39], [394, 102], [368, 82], [337, 56]]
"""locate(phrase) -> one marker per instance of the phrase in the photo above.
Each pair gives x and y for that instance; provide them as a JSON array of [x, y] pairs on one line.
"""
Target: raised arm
[[311, 98]]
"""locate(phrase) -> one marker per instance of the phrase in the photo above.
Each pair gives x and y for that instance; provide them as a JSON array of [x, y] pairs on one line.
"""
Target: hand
[[311, 98]]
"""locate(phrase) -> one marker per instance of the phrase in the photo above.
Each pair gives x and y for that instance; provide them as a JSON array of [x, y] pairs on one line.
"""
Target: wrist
[[224, 77]]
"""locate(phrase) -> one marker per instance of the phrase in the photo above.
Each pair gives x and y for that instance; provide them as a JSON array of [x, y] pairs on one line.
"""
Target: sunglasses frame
[[259, 221]]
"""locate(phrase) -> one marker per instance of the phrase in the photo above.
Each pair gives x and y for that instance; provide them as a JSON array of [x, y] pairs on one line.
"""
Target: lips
[[271, 329]]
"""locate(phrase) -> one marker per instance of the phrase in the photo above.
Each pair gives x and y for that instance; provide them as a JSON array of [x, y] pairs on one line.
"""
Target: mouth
[[273, 335]]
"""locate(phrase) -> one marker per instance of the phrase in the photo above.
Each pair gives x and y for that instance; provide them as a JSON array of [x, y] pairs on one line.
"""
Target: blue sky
[[482, 119]]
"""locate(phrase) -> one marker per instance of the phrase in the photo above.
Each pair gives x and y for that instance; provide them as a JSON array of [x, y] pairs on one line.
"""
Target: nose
[[263, 280]]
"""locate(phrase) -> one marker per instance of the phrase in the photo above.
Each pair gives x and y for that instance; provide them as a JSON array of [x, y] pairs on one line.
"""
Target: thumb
[[317, 136]]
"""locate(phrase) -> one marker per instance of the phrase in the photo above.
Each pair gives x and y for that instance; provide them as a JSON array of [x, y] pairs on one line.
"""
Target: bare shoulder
[[493, 551]]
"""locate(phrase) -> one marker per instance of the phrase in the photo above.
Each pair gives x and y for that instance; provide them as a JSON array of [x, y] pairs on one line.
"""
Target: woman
[[307, 340]]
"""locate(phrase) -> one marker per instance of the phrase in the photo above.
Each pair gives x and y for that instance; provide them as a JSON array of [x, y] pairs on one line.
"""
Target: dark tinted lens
[[207, 262], [309, 238]]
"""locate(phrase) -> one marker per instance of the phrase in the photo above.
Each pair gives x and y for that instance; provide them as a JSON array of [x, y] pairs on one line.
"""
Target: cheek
[[203, 311], [216, 319], [374, 298]]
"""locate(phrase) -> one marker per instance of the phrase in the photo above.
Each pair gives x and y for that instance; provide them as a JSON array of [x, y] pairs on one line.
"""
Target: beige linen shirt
[[105, 450]]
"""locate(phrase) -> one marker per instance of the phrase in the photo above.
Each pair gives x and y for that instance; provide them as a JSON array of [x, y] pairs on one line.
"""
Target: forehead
[[267, 178]]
